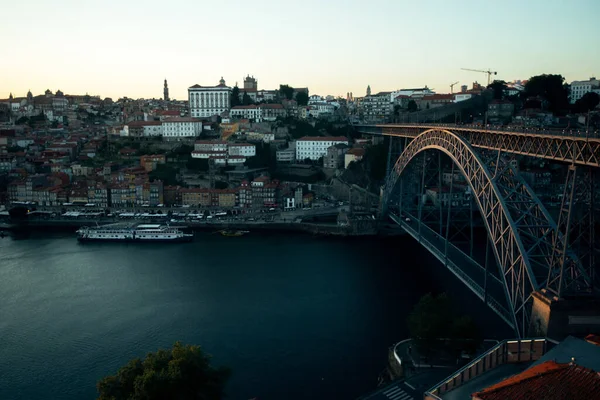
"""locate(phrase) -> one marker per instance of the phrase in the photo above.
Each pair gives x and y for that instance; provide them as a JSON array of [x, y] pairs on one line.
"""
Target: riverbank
[[361, 228]]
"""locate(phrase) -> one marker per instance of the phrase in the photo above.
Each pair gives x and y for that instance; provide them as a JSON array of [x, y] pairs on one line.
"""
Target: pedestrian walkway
[[393, 391], [396, 393]]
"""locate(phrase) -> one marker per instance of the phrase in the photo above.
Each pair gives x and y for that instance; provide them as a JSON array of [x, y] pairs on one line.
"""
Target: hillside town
[[238, 148]]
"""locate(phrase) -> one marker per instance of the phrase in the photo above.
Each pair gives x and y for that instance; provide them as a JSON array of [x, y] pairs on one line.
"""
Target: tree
[[429, 321], [235, 96], [302, 98], [182, 372], [286, 91], [552, 89], [433, 319], [412, 106], [165, 173], [499, 87], [246, 99], [587, 102], [22, 121]]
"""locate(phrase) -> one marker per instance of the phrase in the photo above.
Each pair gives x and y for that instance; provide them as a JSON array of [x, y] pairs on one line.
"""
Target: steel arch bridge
[[531, 251]]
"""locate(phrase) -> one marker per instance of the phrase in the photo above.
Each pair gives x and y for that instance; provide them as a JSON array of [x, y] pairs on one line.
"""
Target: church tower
[[166, 91], [368, 90]]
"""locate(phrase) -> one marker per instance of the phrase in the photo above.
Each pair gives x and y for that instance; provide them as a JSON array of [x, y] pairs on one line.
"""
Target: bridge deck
[[578, 147]]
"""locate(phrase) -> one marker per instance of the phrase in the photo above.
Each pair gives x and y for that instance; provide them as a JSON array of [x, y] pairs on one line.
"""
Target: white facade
[[206, 101], [462, 97], [579, 88], [248, 112], [316, 147], [286, 156], [182, 127], [153, 130], [242, 149]]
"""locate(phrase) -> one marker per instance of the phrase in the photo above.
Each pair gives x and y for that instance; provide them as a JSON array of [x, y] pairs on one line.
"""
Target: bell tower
[[166, 91]]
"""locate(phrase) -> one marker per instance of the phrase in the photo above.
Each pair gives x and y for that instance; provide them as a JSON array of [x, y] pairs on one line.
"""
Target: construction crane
[[488, 72], [452, 86]]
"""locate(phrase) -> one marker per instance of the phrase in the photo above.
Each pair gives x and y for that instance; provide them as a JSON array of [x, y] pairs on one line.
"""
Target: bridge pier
[[557, 318]]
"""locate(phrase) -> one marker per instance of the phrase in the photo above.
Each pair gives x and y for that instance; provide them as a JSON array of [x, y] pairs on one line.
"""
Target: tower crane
[[488, 72], [452, 86]]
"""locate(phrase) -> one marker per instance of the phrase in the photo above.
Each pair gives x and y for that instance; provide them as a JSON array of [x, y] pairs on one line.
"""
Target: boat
[[126, 232], [227, 232]]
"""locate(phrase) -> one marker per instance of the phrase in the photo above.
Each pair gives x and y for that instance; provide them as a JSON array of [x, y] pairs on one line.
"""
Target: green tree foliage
[[235, 96], [376, 157], [552, 89], [197, 164], [264, 157], [412, 106], [302, 98], [182, 372], [22, 121], [433, 319], [286, 91], [499, 88], [165, 173], [247, 100], [587, 102]]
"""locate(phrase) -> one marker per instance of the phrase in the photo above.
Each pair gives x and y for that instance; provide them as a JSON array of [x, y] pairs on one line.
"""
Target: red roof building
[[547, 381]]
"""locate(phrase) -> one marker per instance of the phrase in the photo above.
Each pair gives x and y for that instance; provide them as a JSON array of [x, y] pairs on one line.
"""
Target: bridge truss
[[531, 250]]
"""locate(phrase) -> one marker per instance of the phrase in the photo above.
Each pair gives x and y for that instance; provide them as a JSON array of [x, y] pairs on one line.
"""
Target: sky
[[116, 48]]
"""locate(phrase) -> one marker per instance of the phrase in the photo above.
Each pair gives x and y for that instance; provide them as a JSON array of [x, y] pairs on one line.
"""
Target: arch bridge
[[537, 254]]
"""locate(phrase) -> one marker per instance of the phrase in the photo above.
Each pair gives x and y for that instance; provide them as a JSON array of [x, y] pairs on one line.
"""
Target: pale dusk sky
[[127, 47]]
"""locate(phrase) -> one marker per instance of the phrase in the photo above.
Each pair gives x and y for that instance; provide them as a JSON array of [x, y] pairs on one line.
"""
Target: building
[[379, 106], [334, 158], [241, 149], [166, 91], [181, 127], [436, 100], [223, 153], [500, 110], [253, 112], [206, 101], [258, 112], [316, 147], [144, 128], [263, 192], [579, 88], [150, 161], [352, 155], [286, 156], [546, 381]]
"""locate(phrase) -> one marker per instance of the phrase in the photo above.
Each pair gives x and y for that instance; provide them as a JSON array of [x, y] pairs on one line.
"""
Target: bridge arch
[[513, 254]]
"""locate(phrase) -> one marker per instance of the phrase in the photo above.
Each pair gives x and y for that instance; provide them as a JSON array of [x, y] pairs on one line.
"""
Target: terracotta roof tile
[[549, 381]]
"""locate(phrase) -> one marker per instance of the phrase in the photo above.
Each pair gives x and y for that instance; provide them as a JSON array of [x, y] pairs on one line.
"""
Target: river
[[293, 316]]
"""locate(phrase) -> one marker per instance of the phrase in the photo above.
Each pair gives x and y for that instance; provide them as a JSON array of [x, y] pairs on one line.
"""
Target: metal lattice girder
[[518, 225], [551, 146], [573, 271]]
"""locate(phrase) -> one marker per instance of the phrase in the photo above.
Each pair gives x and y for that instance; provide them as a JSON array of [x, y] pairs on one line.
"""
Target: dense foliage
[[433, 319], [182, 372]]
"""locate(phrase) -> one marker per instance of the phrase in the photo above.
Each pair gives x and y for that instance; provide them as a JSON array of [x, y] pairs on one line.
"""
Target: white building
[[286, 156], [206, 101], [316, 147], [223, 153], [462, 97], [247, 112], [579, 88], [181, 127], [241, 149]]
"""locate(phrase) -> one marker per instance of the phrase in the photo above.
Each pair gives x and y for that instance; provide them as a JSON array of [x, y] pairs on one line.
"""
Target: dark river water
[[293, 316]]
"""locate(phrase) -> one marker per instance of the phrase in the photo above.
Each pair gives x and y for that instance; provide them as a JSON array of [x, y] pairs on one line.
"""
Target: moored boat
[[228, 232], [121, 232]]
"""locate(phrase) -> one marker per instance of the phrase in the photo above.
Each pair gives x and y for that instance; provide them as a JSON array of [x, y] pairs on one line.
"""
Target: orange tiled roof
[[549, 381]]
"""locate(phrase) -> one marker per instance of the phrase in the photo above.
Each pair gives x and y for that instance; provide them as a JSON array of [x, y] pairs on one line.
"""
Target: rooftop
[[549, 381], [324, 139]]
